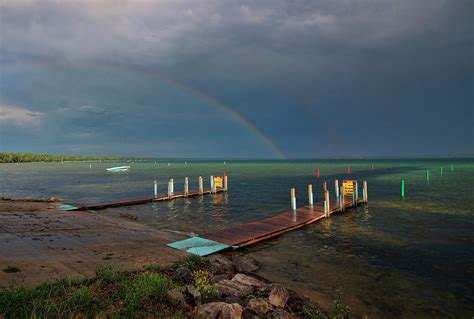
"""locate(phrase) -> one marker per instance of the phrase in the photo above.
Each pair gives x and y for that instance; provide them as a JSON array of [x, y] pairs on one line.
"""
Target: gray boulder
[[248, 280]]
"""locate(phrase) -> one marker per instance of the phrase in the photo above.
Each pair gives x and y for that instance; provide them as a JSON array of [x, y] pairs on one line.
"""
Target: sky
[[237, 79]]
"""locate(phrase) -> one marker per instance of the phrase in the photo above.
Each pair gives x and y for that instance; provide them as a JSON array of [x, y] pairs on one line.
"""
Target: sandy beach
[[45, 243]]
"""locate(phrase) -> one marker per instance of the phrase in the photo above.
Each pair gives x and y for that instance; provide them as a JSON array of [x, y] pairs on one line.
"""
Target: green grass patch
[[11, 269]]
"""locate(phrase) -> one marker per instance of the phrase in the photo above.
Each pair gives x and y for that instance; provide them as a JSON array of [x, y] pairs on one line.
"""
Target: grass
[[111, 293], [11, 269]]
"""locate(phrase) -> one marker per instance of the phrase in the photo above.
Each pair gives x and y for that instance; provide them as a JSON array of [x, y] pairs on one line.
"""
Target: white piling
[[326, 198], [225, 181], [356, 193], [366, 198], [212, 184], [156, 188], [186, 186], [201, 187], [172, 186], [336, 188], [310, 195], [293, 199], [341, 192]]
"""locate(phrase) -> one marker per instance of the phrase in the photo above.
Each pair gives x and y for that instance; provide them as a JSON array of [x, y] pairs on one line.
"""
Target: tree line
[[30, 157]]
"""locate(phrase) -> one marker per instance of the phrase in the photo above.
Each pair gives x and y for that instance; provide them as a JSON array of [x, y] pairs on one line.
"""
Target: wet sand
[[46, 243]]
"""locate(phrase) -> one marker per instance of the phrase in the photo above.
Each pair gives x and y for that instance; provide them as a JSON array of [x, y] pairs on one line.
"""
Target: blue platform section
[[199, 246]]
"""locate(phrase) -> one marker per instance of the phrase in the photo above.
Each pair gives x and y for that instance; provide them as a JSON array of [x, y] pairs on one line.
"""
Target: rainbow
[[211, 100]]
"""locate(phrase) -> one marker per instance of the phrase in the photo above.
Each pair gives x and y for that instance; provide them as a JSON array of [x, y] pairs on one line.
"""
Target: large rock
[[177, 298], [193, 295], [258, 306], [281, 314], [218, 278], [244, 264], [221, 265], [248, 280], [220, 310], [278, 296], [233, 288]]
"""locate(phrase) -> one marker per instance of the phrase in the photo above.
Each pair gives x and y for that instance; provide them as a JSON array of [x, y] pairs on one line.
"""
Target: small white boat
[[118, 169]]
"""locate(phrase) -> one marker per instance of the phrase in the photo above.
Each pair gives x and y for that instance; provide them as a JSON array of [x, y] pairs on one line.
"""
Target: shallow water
[[392, 258]]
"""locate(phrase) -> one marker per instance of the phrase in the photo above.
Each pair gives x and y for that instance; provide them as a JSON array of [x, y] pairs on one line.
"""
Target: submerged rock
[[244, 264], [222, 310], [278, 296]]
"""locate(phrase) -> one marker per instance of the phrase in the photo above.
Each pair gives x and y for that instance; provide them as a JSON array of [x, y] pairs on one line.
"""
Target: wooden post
[[201, 187], [293, 199], [212, 183], [326, 198], [366, 197], [341, 191], [310, 195], [156, 188], [225, 181], [402, 189], [186, 186], [336, 188]]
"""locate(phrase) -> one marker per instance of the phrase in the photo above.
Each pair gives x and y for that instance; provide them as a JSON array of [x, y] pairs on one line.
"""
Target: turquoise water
[[392, 258]]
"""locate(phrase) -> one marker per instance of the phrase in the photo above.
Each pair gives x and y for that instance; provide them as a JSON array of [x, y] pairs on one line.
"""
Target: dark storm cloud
[[300, 64]]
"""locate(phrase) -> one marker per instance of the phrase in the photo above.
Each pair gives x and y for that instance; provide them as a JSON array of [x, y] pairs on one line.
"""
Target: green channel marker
[[402, 191]]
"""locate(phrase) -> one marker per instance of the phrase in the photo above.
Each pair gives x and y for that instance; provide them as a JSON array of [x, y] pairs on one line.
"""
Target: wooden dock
[[255, 231], [94, 205], [246, 234]]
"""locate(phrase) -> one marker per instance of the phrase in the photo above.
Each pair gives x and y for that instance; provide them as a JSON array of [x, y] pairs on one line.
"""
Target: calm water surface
[[392, 258]]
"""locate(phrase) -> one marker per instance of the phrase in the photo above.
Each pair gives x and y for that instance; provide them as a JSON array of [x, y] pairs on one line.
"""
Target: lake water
[[392, 258]]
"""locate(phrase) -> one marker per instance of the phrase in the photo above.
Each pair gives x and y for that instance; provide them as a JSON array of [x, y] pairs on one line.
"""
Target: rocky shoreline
[[227, 287]]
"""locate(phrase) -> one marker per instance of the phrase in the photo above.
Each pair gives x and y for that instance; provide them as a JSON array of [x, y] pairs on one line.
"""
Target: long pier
[[250, 233], [218, 185]]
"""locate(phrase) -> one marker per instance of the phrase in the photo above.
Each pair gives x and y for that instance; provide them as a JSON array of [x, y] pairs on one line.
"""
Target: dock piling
[[343, 198], [293, 199], [156, 188], [212, 183], [201, 187], [326, 199], [366, 197], [336, 188], [225, 181], [325, 209], [186, 186], [310, 195], [356, 193]]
